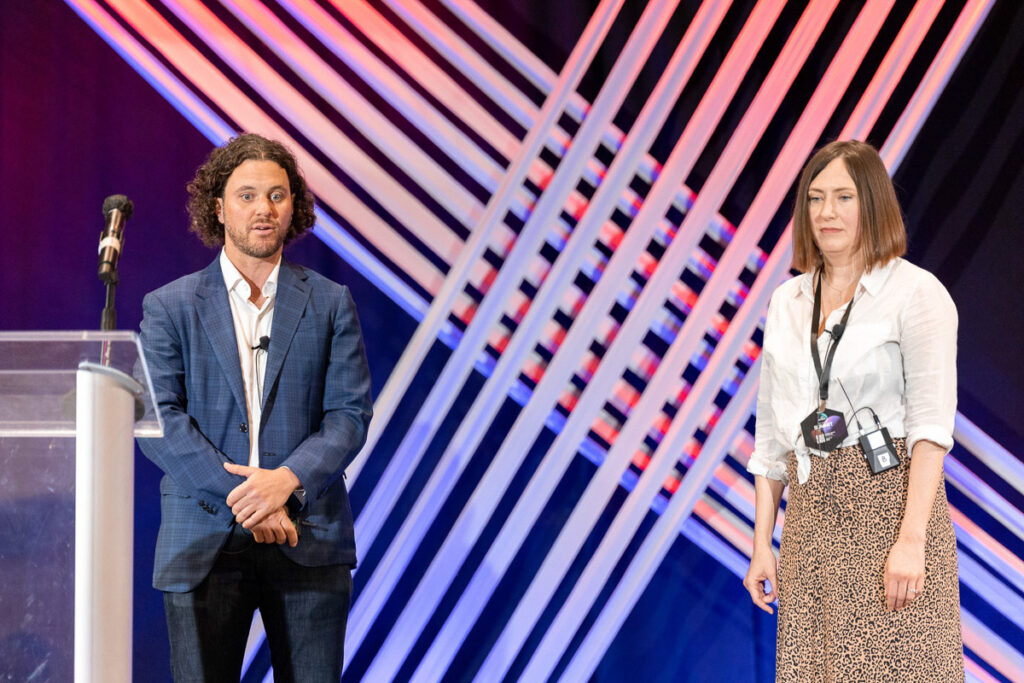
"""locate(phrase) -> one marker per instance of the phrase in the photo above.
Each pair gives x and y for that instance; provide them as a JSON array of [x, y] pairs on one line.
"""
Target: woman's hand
[[904, 572], [763, 568]]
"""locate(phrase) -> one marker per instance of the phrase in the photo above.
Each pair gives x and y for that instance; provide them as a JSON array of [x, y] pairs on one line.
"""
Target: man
[[260, 374]]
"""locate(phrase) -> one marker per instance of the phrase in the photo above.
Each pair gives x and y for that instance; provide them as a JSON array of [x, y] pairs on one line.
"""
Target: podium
[[71, 404]]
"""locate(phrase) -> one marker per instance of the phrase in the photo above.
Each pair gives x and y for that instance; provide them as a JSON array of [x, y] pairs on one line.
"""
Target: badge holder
[[824, 430]]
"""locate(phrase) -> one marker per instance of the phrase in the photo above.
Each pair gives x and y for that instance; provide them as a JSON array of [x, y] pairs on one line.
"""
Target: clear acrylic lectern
[[70, 406]]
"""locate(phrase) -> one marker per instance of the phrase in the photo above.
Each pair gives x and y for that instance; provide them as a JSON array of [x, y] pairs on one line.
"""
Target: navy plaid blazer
[[316, 409]]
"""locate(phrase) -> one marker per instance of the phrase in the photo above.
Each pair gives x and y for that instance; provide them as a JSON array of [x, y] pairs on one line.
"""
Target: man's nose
[[264, 205]]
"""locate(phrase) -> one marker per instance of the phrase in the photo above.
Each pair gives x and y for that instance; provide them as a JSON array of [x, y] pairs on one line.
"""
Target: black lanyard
[[823, 373]]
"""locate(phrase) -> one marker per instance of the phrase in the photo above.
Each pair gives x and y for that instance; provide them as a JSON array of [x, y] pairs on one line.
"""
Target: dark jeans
[[304, 610]]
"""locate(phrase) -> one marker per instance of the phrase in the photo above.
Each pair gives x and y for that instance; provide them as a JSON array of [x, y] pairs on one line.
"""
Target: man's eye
[[246, 196], [277, 196]]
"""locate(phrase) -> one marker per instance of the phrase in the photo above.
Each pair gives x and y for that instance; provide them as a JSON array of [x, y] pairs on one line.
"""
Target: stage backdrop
[[561, 223]]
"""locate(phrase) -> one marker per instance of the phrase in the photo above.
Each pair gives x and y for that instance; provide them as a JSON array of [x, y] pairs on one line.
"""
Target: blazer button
[[244, 428]]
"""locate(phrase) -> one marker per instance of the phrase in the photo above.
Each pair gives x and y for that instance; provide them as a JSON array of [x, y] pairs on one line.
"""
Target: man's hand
[[276, 528], [262, 492]]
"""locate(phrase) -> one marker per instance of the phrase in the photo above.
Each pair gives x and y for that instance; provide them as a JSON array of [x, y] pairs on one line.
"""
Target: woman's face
[[835, 213]]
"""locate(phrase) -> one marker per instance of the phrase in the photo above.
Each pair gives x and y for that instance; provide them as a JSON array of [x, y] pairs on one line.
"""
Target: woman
[[859, 350]]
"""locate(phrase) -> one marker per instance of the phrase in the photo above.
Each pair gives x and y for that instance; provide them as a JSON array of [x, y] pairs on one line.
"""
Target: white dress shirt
[[897, 356], [251, 323]]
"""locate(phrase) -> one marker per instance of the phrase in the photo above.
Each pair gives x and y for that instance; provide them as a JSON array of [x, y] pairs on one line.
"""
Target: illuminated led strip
[[990, 453], [990, 589], [305, 116], [525, 247], [232, 101], [473, 425], [347, 101], [623, 399], [456, 370], [709, 383], [731, 161]]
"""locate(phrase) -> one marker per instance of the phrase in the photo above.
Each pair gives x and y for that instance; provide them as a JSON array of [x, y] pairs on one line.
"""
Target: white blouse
[[897, 356]]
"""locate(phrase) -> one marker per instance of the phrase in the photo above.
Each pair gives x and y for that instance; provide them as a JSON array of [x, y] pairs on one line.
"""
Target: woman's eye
[[813, 200]]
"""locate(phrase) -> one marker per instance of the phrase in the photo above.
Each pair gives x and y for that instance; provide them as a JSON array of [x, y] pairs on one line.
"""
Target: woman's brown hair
[[882, 233]]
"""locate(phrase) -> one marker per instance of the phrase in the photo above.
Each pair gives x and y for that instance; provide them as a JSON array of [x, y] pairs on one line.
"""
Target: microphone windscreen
[[120, 202]]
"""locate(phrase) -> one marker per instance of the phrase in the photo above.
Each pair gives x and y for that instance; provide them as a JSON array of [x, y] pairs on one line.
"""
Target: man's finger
[[242, 470], [238, 493], [292, 533]]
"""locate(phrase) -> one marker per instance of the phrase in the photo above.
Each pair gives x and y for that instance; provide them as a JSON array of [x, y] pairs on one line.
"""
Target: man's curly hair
[[208, 186]]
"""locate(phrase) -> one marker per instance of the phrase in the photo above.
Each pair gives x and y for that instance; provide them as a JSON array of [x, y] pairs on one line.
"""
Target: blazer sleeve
[[347, 407], [184, 453]]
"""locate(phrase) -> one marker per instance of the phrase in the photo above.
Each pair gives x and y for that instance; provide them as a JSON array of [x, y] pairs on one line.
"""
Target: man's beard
[[256, 248]]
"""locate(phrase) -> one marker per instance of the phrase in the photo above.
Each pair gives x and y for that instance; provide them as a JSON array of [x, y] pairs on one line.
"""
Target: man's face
[[256, 210]]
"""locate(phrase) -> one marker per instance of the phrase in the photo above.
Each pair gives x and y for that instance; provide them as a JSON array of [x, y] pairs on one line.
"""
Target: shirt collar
[[233, 279], [871, 281]]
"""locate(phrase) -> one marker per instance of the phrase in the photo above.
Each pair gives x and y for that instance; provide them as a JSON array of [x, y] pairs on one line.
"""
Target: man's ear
[[220, 210]]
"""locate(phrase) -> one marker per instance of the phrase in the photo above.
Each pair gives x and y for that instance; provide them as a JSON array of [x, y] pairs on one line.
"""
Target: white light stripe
[[905, 28], [458, 452], [505, 44], [403, 462], [624, 607], [244, 112], [318, 129], [443, 39], [156, 74], [416, 350], [518, 57], [988, 451], [991, 590], [629, 517], [994, 553], [488, 79], [661, 537], [408, 102], [988, 645], [934, 81], [476, 422], [459, 365], [356, 255], [506, 462], [218, 132], [741, 144], [474, 67], [984, 496], [347, 101], [975, 674], [893, 66]]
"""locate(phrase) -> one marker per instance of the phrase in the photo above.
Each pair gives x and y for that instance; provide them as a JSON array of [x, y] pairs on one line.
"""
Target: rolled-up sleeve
[[928, 330]]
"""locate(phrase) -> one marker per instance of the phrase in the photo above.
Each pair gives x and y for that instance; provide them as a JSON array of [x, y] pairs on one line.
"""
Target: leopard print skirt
[[833, 623]]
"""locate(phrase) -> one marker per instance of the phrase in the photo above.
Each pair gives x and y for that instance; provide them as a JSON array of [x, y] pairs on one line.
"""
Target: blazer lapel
[[214, 310], [292, 295]]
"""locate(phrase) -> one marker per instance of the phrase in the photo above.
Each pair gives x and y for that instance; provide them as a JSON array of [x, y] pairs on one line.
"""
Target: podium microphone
[[117, 209]]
